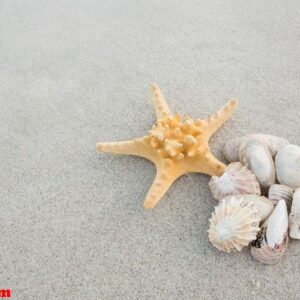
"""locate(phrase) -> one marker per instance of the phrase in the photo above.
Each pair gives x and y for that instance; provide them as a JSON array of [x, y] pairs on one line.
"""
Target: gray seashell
[[287, 164], [255, 154], [294, 219], [231, 149], [272, 240], [274, 143], [280, 191], [236, 180]]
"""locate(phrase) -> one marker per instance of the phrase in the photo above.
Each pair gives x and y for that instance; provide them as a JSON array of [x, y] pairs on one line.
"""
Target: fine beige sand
[[73, 73]]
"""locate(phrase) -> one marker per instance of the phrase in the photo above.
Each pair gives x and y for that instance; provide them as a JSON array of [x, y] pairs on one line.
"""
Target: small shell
[[287, 164], [274, 143], [236, 180], [233, 225], [255, 154], [231, 149], [272, 240], [263, 205], [280, 191], [294, 218]]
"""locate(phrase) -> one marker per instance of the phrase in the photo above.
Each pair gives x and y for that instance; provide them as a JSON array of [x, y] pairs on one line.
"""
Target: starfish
[[175, 147]]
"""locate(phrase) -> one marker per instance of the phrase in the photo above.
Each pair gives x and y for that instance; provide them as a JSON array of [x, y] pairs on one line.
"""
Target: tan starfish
[[175, 147]]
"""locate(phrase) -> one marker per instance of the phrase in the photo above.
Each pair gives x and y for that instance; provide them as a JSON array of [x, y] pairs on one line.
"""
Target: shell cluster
[[262, 179], [175, 139]]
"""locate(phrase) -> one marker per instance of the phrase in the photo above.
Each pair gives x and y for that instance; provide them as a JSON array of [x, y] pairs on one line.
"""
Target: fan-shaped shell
[[274, 143], [236, 180], [255, 154], [280, 191], [294, 219], [233, 225], [272, 240], [263, 205]]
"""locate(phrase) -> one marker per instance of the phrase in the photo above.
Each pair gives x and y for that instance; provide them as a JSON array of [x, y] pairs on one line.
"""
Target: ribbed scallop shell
[[236, 180], [272, 240], [294, 219], [233, 225], [263, 205], [280, 191]]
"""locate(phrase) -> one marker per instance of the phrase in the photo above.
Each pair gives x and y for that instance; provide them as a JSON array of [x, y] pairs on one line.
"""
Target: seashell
[[231, 149], [263, 205], [287, 164], [280, 191], [255, 154], [272, 240], [274, 143], [233, 225], [294, 219], [236, 180]]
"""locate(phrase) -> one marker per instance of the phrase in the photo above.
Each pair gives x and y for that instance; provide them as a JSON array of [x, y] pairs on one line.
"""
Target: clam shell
[[263, 205], [294, 219], [274, 143], [236, 180], [255, 154], [233, 225], [287, 164], [272, 240], [280, 191]]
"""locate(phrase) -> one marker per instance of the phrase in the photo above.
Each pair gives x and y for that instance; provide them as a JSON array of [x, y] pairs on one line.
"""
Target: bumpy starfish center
[[175, 139]]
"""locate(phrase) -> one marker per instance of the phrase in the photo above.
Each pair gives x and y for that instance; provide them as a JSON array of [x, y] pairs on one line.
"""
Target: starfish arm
[[160, 186], [208, 164], [160, 105], [137, 147], [220, 117]]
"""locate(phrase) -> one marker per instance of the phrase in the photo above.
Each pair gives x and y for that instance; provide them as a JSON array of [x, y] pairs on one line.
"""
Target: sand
[[73, 73]]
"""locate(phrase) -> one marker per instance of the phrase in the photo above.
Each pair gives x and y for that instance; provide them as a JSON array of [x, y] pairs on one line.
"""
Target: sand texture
[[77, 72]]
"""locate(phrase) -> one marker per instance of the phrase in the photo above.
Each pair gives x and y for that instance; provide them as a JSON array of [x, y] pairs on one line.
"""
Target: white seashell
[[287, 164], [263, 205], [236, 180], [294, 219], [233, 225], [255, 154], [274, 143], [272, 240], [280, 191]]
